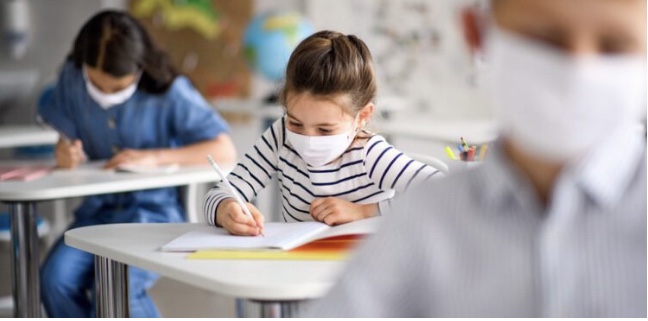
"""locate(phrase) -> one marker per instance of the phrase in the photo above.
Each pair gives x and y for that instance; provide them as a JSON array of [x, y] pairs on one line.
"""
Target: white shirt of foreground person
[[484, 246]]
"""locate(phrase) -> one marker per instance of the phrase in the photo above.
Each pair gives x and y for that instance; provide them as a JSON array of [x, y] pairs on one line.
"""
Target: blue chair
[[42, 227]]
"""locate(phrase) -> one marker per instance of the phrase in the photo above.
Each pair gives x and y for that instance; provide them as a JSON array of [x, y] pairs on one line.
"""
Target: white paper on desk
[[148, 169], [87, 168], [277, 235], [284, 236]]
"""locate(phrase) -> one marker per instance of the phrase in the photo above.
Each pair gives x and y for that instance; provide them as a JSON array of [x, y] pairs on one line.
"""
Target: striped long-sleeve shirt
[[369, 171]]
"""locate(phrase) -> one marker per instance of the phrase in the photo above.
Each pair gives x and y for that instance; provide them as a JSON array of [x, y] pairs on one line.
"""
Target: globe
[[270, 38]]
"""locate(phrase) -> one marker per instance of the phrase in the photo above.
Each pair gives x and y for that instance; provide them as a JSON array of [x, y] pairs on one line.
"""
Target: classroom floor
[[174, 300], [179, 300]]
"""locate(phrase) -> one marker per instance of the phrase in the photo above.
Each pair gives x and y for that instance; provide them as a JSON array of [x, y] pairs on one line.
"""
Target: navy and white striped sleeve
[[390, 168], [251, 174]]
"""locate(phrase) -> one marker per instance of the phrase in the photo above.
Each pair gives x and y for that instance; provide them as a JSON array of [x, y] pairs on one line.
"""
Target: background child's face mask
[[108, 100], [558, 107]]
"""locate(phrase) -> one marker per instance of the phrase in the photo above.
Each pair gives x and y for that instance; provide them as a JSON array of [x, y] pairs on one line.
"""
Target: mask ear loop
[[84, 72], [357, 129], [138, 78]]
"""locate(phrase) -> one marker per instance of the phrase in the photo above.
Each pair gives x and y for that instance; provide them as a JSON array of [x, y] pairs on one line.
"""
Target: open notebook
[[278, 236]]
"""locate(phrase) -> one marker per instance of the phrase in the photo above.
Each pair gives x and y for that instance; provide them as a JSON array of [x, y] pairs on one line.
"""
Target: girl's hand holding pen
[[230, 216], [69, 154]]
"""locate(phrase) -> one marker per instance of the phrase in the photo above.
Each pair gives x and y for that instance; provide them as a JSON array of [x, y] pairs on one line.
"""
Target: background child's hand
[[69, 154], [333, 211], [231, 216], [147, 158]]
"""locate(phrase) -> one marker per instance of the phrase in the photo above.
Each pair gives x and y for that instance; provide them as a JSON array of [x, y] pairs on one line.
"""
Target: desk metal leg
[[191, 195], [240, 308], [111, 281], [274, 309], [25, 260]]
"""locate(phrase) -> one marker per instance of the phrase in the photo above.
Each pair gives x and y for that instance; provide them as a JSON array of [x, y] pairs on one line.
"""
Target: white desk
[[254, 108], [86, 180], [430, 137], [26, 135], [445, 131], [276, 284]]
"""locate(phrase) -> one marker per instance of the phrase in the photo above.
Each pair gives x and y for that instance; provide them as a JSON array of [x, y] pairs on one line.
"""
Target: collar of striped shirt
[[604, 175]]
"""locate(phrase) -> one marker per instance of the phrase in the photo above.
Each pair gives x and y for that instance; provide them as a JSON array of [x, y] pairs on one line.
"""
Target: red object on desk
[[25, 173], [471, 154], [342, 243]]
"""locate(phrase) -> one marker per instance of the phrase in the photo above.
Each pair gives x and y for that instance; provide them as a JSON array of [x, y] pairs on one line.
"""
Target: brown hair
[[331, 63]]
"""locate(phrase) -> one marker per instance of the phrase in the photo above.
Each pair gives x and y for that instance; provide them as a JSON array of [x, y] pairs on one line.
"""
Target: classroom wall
[[421, 59], [53, 27]]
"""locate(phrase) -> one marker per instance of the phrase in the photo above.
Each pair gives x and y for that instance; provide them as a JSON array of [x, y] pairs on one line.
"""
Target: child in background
[[330, 168], [118, 98]]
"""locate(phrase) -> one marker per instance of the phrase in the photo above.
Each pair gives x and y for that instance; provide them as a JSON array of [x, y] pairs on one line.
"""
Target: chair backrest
[[189, 198], [42, 226], [432, 161]]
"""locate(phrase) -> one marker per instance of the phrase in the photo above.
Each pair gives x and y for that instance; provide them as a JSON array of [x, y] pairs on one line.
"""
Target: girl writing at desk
[[119, 98], [329, 167]]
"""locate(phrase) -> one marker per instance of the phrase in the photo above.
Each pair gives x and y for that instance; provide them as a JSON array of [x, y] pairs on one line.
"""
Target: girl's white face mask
[[321, 150], [109, 100], [558, 107]]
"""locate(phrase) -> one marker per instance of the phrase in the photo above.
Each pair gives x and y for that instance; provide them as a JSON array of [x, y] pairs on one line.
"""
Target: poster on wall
[[204, 40]]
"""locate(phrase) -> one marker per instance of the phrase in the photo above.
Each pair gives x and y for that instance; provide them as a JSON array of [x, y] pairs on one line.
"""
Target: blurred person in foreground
[[553, 224]]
